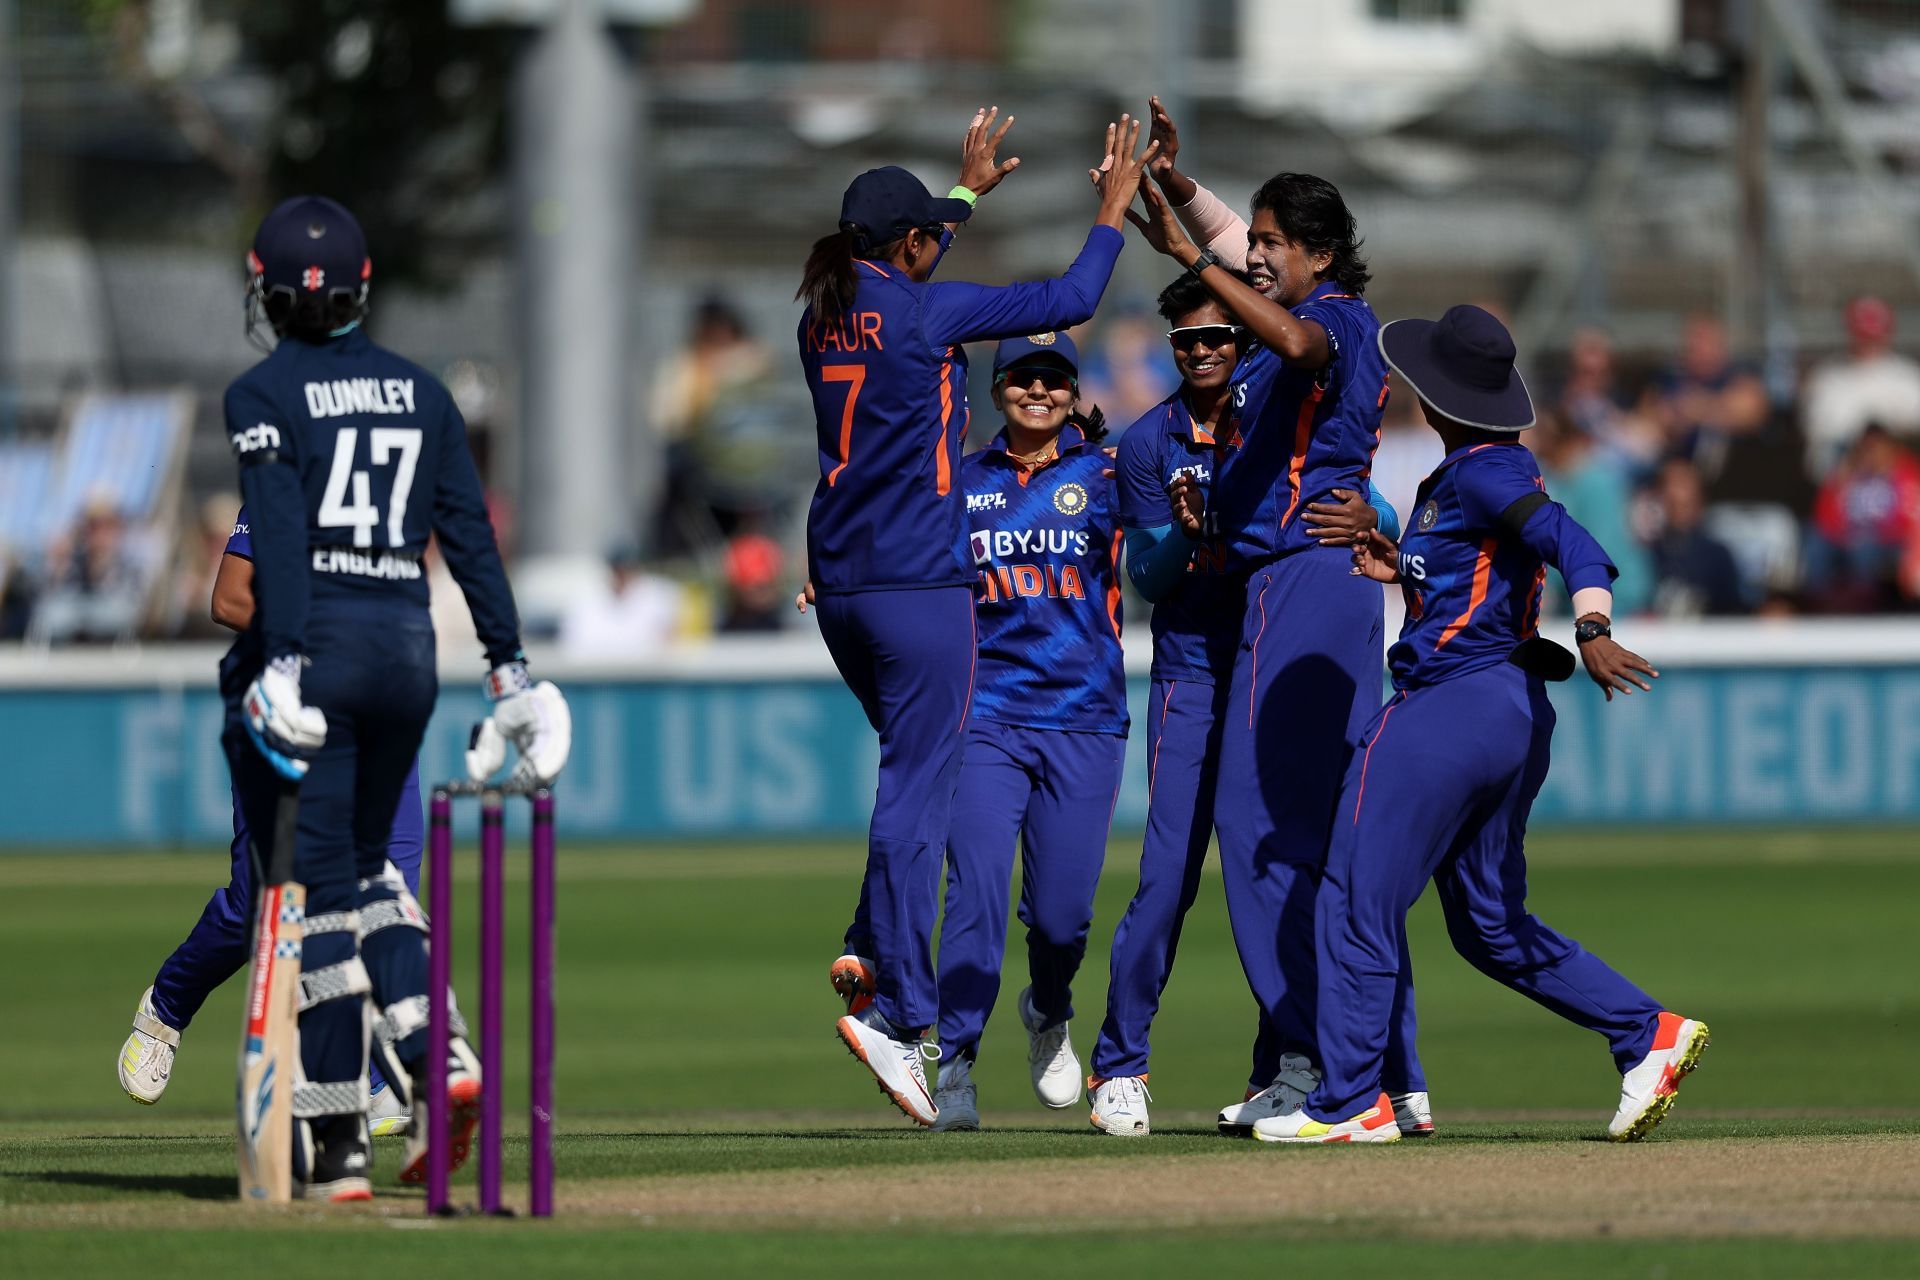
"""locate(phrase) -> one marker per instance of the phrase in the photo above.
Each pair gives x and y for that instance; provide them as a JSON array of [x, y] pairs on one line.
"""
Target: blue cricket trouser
[[908, 657], [1184, 719], [373, 675], [1305, 682], [1054, 791], [216, 949], [1441, 790]]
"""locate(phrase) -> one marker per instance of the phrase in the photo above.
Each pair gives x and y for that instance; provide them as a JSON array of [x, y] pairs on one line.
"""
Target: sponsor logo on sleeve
[[262, 435]]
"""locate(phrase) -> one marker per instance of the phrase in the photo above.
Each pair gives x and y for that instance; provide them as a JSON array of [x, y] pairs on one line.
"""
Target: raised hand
[[979, 171], [1120, 172], [1189, 505], [1161, 227]]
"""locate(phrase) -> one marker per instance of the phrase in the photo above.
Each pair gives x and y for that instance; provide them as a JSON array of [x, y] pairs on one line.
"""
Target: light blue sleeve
[[1157, 560], [1389, 518]]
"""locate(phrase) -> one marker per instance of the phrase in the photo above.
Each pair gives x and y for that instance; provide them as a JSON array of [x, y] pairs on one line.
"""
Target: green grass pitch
[[697, 1060]]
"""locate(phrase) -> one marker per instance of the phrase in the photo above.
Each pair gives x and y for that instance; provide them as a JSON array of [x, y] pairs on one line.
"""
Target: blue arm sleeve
[[276, 503], [1157, 560], [461, 523], [1389, 518], [956, 312], [1556, 537]]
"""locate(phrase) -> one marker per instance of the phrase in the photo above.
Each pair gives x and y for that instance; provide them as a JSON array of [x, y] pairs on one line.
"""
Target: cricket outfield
[[711, 1124]]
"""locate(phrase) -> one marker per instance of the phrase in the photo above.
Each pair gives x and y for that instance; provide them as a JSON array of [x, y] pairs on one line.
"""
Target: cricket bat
[[270, 1035]]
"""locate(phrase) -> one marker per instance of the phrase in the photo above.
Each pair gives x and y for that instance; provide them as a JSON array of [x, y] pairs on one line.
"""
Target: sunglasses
[[1023, 376], [1215, 336]]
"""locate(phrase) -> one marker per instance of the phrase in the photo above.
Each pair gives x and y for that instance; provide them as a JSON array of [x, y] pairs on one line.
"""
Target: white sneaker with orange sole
[[1649, 1089], [1375, 1124], [899, 1066]]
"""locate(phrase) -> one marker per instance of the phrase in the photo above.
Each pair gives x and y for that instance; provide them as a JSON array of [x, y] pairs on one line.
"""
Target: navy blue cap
[[1040, 348], [310, 244], [884, 204], [1462, 365]]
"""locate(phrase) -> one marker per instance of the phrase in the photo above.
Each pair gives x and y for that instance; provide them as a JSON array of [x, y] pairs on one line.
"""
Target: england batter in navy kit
[[350, 457], [1046, 739], [1448, 769], [216, 948], [888, 560]]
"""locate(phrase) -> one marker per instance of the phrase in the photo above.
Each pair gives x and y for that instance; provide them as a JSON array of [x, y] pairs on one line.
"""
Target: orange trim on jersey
[[942, 466], [1153, 765], [857, 375], [1113, 586], [1368, 758], [1482, 574], [1302, 438], [1253, 685], [884, 275]]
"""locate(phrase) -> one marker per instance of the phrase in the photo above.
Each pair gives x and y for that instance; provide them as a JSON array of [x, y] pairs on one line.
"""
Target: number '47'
[[363, 517]]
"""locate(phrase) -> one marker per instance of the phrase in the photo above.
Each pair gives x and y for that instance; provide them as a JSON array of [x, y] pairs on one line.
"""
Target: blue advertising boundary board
[[759, 739]]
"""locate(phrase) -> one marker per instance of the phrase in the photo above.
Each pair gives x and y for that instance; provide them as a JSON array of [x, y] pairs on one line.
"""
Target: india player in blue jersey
[[349, 458], [1046, 739], [1306, 674], [1448, 770], [1197, 620], [888, 561], [216, 948]]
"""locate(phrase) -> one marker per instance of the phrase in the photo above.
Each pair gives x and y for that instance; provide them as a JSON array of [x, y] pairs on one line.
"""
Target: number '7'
[[857, 375]]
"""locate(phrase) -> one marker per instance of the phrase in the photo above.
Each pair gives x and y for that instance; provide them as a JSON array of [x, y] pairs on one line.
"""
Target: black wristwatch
[[1592, 629], [1207, 258]]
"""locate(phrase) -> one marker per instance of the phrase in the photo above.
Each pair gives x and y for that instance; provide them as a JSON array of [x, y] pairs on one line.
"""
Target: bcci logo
[[1046, 339], [1429, 515], [1070, 499]]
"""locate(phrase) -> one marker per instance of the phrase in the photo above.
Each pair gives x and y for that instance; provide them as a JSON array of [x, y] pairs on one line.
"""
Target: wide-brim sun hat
[[1462, 365]]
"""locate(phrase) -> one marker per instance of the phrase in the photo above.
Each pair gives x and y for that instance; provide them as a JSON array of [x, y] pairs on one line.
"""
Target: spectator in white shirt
[[1871, 383]]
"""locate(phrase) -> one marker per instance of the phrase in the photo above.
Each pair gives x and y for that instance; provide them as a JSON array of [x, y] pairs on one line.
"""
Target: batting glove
[[533, 717], [282, 727]]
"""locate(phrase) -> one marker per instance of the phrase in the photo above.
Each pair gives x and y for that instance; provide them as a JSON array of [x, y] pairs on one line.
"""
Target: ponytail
[[1092, 424], [827, 281]]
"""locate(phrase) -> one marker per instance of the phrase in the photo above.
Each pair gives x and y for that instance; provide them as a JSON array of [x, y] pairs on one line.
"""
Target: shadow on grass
[[189, 1186]]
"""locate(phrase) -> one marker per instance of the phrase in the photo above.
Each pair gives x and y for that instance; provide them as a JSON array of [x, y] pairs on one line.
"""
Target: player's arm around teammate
[[1450, 766], [887, 555], [1046, 740]]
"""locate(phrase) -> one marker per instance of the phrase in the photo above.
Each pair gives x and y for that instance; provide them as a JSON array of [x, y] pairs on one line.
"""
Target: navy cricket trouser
[[908, 657], [1306, 680], [1184, 719], [1052, 790], [216, 948], [373, 675], [1440, 791]]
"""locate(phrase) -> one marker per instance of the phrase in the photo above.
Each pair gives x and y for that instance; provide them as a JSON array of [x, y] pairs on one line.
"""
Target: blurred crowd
[[1716, 497]]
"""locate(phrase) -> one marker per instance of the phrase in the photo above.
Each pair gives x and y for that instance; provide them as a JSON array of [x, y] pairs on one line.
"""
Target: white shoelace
[[1131, 1090]]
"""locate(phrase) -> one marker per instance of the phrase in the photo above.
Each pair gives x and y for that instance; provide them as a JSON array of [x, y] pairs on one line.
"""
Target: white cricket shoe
[[146, 1059], [1056, 1071], [1120, 1107], [897, 1065], [1375, 1124], [1413, 1113], [1286, 1095], [387, 1115], [955, 1098], [1648, 1090], [463, 1114]]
